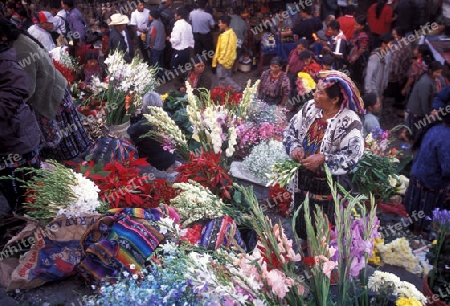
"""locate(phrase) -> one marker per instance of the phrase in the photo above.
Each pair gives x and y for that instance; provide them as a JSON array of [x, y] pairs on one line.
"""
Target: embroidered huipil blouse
[[342, 143]]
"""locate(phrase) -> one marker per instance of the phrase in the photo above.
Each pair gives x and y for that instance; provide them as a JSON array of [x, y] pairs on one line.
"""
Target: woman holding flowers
[[326, 131]]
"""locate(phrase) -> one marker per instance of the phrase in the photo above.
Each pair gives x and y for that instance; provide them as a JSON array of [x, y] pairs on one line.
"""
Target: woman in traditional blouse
[[275, 86], [326, 131]]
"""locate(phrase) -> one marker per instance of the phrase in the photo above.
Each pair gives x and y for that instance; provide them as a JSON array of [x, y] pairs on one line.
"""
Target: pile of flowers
[[399, 253], [207, 170], [121, 185], [263, 122], [64, 63], [195, 203], [387, 286], [56, 190], [262, 157]]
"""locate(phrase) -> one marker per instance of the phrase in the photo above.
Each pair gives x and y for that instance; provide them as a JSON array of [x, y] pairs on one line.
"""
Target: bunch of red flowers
[[206, 170], [68, 73], [225, 96], [122, 186]]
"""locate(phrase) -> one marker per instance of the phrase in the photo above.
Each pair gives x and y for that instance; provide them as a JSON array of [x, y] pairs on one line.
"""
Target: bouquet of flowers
[[305, 84], [135, 80], [195, 203], [206, 169], [387, 286], [56, 190], [283, 172], [64, 63], [166, 132], [214, 125], [226, 96], [262, 157]]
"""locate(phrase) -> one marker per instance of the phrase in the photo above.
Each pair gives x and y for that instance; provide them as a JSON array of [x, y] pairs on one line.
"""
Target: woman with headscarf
[[148, 147], [326, 131], [196, 77], [49, 97], [92, 68]]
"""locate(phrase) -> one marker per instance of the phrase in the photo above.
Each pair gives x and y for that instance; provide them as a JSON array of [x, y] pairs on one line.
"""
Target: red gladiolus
[[68, 74], [193, 234]]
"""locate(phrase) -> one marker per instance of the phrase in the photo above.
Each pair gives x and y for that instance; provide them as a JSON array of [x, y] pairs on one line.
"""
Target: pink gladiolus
[[277, 280], [327, 267]]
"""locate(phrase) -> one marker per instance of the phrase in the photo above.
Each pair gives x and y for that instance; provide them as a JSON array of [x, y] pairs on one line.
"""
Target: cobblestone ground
[[71, 291]]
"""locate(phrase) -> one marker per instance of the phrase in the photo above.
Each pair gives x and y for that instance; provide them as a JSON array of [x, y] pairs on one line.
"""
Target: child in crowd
[[327, 62], [371, 104]]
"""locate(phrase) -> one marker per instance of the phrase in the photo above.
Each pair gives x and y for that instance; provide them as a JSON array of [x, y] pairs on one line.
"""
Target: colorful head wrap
[[352, 97]]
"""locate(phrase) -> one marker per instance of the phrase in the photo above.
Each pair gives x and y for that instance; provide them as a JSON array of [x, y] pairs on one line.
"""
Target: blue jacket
[[442, 98]]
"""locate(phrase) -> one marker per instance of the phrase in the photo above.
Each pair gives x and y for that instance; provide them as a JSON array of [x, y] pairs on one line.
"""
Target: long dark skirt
[[319, 193], [421, 199], [65, 135]]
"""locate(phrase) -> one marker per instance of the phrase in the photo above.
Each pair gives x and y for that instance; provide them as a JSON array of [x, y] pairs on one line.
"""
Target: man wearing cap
[[119, 38], [139, 19], [202, 23], [156, 40], [41, 30]]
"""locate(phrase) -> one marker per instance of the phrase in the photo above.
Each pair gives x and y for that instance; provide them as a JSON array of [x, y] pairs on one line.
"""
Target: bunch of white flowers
[[400, 183], [263, 156], [399, 253], [384, 281], [86, 202], [196, 202], [61, 55]]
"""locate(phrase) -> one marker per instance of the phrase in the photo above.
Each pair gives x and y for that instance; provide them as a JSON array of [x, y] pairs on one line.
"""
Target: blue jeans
[[156, 60]]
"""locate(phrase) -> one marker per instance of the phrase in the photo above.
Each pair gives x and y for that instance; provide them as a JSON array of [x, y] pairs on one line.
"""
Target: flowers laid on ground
[[263, 122], [439, 278], [281, 198], [226, 96], [206, 169], [399, 253], [86, 194], [387, 286], [263, 156], [121, 186], [195, 203], [133, 80], [54, 190]]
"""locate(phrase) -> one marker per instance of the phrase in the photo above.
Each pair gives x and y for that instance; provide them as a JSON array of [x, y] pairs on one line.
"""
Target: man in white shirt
[[139, 19], [41, 31], [181, 39]]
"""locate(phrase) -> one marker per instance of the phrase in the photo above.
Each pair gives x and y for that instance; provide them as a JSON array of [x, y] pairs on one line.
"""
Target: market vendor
[[326, 131], [275, 86], [196, 77], [92, 68]]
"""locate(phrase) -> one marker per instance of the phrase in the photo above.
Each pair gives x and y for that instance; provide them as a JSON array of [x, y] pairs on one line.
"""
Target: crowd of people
[[349, 55]]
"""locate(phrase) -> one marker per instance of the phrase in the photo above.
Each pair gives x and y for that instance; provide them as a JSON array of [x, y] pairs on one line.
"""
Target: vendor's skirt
[[419, 199], [65, 136], [11, 188], [319, 193]]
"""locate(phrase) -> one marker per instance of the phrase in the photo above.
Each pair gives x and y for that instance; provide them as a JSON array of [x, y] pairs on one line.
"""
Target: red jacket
[[381, 25], [347, 24]]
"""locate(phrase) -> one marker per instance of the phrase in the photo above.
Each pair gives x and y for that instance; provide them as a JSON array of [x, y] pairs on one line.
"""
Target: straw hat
[[118, 19]]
